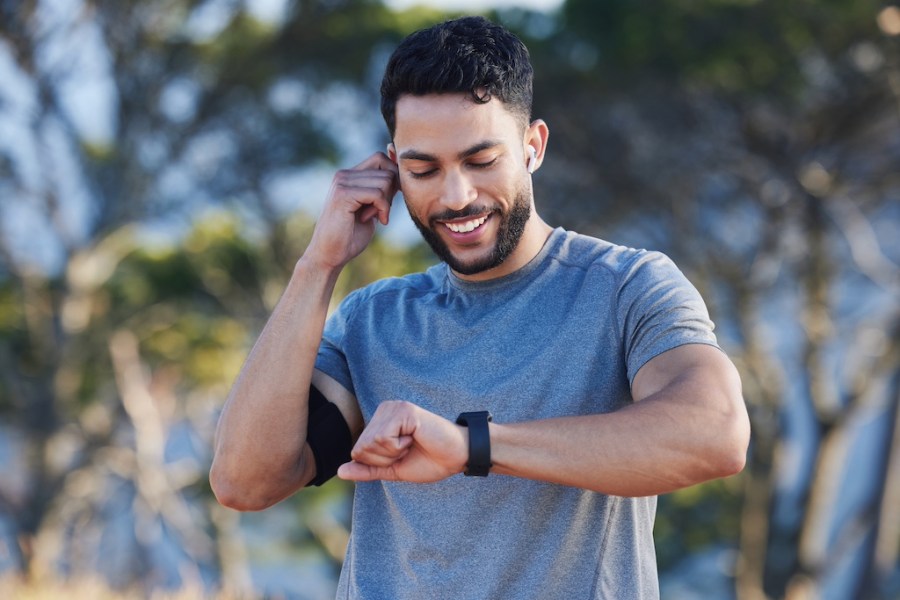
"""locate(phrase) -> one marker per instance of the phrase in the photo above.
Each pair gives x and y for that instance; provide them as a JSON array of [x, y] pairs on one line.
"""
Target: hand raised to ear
[[357, 198]]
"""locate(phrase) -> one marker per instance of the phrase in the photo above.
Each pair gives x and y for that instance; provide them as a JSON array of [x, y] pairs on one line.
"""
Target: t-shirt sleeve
[[658, 310], [332, 359]]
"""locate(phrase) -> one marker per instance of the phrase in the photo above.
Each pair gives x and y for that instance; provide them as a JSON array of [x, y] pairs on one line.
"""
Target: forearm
[[688, 424], [680, 436], [259, 452]]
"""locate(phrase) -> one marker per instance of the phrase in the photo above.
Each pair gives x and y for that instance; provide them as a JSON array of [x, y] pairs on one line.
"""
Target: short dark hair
[[470, 55]]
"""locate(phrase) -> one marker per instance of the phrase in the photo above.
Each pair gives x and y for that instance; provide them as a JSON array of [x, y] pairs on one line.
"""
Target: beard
[[509, 232]]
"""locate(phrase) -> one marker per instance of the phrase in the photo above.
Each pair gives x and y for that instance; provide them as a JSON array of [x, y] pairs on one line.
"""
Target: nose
[[458, 191]]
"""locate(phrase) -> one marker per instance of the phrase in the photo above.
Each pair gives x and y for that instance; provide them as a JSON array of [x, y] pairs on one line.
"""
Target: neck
[[530, 244]]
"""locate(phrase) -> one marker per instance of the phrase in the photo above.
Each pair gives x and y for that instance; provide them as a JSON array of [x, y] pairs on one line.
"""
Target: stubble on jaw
[[509, 234]]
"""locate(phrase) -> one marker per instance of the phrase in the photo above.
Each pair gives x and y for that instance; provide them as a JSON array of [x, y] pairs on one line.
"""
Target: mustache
[[469, 211]]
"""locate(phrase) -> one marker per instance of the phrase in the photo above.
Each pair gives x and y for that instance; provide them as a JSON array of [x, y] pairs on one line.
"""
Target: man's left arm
[[688, 424]]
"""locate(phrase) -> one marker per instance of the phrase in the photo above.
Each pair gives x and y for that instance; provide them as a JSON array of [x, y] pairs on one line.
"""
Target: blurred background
[[162, 163]]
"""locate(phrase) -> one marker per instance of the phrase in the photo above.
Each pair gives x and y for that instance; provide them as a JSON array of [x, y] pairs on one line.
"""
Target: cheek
[[414, 204], [414, 189], [422, 197], [503, 189]]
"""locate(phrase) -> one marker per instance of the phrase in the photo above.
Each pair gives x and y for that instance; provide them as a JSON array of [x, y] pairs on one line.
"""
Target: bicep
[[699, 366], [696, 390]]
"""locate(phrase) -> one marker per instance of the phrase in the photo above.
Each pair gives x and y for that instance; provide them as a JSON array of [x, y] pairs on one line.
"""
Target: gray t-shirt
[[564, 335]]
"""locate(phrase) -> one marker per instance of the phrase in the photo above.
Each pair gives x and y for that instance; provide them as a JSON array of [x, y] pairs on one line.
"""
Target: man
[[597, 362]]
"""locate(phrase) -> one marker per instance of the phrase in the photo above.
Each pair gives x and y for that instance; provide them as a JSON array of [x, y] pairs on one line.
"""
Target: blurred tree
[[757, 143], [118, 342]]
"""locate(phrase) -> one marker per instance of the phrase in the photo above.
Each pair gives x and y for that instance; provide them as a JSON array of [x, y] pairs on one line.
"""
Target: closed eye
[[483, 165], [473, 164], [422, 174]]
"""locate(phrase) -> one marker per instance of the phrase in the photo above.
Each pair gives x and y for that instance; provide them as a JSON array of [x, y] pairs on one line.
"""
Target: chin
[[510, 230]]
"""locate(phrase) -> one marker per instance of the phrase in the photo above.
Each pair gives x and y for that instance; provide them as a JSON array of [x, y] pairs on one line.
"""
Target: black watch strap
[[479, 442]]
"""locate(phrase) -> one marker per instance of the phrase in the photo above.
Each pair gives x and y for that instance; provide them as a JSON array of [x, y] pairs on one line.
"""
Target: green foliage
[[734, 45], [652, 106], [695, 518], [382, 260], [11, 317]]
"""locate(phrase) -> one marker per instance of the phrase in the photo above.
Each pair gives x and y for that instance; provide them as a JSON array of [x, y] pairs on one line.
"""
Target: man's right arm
[[261, 454]]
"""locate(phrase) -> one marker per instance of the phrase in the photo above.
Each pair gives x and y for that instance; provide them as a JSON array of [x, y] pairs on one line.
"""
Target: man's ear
[[392, 152], [536, 136]]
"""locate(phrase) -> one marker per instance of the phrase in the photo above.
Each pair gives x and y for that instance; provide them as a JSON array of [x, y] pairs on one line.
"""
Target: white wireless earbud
[[532, 158]]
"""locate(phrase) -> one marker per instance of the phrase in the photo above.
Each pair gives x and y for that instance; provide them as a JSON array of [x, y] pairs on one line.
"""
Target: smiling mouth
[[466, 226]]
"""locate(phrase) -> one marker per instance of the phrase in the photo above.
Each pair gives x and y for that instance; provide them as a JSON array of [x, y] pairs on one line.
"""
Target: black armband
[[328, 436]]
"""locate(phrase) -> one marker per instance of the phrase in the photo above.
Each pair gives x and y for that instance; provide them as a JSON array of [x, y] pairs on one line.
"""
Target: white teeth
[[467, 226]]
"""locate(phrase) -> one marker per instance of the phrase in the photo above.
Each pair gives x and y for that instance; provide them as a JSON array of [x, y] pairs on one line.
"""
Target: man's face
[[463, 175]]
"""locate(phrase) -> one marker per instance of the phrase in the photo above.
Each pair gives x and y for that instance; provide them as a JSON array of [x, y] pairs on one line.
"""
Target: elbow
[[731, 462], [225, 490], [730, 428], [230, 493], [254, 487], [718, 448], [729, 452]]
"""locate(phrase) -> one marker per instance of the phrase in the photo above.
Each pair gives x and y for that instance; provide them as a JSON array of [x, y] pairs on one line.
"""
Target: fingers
[[354, 471], [379, 448], [368, 189], [380, 165], [404, 442], [358, 197], [378, 161], [365, 202], [388, 436], [382, 450]]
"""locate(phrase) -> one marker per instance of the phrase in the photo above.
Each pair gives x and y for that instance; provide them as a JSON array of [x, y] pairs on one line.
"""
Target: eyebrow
[[471, 151]]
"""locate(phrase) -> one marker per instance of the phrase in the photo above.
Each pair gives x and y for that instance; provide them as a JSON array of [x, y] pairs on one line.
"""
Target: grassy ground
[[15, 588]]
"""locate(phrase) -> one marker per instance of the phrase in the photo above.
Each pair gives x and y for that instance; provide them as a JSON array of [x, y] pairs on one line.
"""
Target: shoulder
[[423, 282], [588, 252], [412, 285]]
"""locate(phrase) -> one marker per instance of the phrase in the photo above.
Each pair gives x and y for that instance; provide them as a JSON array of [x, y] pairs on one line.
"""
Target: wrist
[[460, 465], [309, 265]]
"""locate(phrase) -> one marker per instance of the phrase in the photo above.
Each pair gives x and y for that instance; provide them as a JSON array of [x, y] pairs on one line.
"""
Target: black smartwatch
[[479, 442]]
